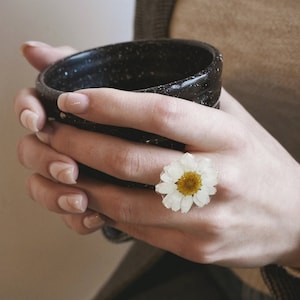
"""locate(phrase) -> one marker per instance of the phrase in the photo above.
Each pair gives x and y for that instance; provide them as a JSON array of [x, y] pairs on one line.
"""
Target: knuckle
[[206, 254], [229, 182], [197, 250], [164, 114], [124, 213], [126, 164], [218, 222], [239, 139], [208, 248]]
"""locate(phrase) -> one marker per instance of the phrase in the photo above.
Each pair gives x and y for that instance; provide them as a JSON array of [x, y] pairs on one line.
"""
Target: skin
[[251, 221]]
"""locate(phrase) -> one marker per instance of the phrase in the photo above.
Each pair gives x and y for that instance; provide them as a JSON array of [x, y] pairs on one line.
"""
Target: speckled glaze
[[181, 68]]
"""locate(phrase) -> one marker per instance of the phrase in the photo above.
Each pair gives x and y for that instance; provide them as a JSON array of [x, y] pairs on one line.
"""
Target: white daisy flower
[[187, 182]]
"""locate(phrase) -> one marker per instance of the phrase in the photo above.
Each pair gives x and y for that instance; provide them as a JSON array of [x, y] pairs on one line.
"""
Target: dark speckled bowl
[[181, 68]]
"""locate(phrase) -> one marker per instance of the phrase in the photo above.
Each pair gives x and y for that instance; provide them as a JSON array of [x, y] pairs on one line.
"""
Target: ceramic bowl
[[181, 68], [187, 69]]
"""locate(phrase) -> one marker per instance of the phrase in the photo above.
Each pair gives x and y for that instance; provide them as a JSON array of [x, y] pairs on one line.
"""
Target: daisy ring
[[186, 182]]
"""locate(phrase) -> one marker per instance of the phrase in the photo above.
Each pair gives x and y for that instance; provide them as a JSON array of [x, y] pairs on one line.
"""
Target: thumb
[[40, 55]]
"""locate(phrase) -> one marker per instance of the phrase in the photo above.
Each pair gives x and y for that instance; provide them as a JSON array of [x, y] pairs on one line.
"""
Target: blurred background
[[39, 257]]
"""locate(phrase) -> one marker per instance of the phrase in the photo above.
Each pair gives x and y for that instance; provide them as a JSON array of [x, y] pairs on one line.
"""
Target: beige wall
[[39, 257]]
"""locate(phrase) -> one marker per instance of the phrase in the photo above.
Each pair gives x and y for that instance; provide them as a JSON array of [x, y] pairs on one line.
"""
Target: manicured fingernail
[[63, 172], [29, 120], [32, 44], [44, 135], [74, 203], [75, 103], [93, 221]]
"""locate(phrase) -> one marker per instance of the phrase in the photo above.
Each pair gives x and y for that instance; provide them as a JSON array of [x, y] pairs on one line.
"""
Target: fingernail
[[75, 103], [93, 221], [44, 135], [73, 203], [32, 44], [29, 120], [63, 172]]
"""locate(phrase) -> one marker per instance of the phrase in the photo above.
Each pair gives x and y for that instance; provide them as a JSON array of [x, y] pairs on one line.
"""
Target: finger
[[29, 110], [114, 156], [39, 157], [174, 118], [27, 107], [125, 205], [84, 223], [164, 238], [194, 247], [56, 197], [144, 207], [40, 55]]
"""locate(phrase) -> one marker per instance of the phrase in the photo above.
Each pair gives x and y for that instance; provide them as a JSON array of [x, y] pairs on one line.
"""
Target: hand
[[28, 109], [251, 221], [59, 167]]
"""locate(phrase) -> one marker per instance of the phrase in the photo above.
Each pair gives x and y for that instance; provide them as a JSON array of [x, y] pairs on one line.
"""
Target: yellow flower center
[[189, 183]]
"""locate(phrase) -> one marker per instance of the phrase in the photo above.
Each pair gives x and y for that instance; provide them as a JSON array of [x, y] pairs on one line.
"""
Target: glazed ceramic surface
[[181, 68], [187, 69]]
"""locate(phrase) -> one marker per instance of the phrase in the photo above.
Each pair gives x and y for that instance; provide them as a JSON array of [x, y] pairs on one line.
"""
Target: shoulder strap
[[282, 285], [152, 18]]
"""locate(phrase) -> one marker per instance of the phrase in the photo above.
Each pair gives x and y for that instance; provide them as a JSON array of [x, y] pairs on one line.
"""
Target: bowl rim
[[53, 93]]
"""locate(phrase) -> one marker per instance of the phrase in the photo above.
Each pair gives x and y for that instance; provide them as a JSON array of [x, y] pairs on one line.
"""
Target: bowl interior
[[130, 66]]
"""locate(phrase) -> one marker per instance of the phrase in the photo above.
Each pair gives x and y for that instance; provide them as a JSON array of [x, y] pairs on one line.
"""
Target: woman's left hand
[[252, 220]]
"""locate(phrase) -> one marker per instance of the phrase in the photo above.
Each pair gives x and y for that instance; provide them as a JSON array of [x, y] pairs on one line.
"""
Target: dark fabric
[[148, 273], [174, 278], [140, 258], [152, 18], [282, 285]]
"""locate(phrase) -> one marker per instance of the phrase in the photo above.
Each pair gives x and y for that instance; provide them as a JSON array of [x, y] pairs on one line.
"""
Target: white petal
[[174, 171], [166, 177], [165, 187], [209, 179], [167, 201], [173, 198], [172, 201], [186, 204], [204, 164], [201, 199], [188, 162], [176, 201], [211, 190]]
